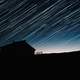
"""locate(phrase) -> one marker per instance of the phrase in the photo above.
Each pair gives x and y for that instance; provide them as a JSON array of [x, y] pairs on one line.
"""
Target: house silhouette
[[20, 48]]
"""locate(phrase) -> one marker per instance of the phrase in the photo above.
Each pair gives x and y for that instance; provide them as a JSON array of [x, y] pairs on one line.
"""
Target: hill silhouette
[[74, 53], [20, 48]]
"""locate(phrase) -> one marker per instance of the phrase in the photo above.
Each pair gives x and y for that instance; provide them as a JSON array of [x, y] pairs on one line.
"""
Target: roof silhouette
[[20, 48]]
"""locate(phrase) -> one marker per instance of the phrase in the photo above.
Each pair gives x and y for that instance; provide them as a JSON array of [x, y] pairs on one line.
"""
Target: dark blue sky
[[47, 25]]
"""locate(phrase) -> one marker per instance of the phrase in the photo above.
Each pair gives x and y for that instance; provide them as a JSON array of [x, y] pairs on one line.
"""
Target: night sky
[[50, 26]]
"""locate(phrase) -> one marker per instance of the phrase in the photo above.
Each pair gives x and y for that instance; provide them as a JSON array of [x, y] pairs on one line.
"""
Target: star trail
[[47, 25]]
